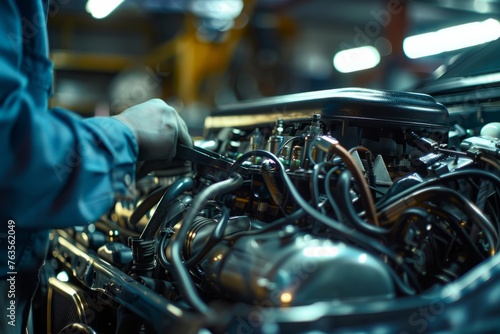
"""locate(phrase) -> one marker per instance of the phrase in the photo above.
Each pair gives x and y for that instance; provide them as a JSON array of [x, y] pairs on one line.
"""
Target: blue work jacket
[[56, 169]]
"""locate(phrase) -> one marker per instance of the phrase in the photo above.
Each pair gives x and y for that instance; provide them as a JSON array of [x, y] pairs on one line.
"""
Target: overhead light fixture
[[217, 9], [450, 39], [356, 59], [101, 8]]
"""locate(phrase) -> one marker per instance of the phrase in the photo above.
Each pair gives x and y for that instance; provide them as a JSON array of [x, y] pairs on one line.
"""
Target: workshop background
[[199, 54]]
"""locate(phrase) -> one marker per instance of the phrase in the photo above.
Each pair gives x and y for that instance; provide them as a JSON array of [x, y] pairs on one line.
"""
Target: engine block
[[335, 211]]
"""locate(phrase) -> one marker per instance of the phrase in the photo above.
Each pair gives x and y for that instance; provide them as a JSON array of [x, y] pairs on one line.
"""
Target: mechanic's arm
[[60, 170], [57, 169]]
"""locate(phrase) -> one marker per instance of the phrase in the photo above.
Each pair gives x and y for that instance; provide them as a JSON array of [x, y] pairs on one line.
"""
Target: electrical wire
[[288, 141], [479, 156]]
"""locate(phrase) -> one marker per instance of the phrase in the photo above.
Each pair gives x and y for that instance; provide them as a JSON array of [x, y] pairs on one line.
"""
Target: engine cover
[[357, 105]]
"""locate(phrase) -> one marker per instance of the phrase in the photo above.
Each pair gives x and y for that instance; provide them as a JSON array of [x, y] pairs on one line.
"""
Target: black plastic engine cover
[[358, 106]]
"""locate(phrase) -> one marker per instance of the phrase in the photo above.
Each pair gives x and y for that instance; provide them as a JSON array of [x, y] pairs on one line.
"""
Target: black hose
[[456, 175], [393, 212], [174, 249], [314, 189], [288, 141], [162, 257], [314, 182], [344, 185], [329, 196], [216, 236], [290, 219], [488, 208], [331, 145], [146, 205], [172, 217], [343, 230], [175, 190], [455, 223]]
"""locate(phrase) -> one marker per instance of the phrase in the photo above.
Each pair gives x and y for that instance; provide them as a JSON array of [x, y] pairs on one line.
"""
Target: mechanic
[[57, 169]]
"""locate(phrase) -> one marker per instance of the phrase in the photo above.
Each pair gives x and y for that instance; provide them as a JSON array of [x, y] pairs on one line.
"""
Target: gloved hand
[[158, 129]]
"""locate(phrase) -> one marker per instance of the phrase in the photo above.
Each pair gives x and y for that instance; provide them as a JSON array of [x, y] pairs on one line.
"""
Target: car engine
[[345, 210]]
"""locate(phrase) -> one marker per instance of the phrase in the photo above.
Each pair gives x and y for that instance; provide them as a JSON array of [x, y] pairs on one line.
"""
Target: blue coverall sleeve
[[56, 169]]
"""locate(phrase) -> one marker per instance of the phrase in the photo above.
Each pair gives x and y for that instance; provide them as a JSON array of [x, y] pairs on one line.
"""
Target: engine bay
[[345, 210]]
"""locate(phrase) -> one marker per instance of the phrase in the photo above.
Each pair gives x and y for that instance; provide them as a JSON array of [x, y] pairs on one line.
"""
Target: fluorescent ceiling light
[[101, 8], [357, 59], [450, 39]]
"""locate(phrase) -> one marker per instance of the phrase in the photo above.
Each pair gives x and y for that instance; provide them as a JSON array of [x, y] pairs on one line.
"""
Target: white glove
[[158, 129]]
